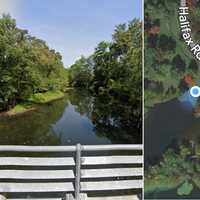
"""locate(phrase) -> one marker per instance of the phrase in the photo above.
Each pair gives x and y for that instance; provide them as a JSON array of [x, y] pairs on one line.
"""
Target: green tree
[[80, 74], [27, 65], [115, 68], [193, 66], [178, 64]]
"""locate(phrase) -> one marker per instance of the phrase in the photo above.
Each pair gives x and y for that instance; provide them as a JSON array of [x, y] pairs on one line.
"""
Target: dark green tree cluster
[[81, 73], [115, 67], [178, 64], [167, 58], [162, 42], [178, 168], [27, 65]]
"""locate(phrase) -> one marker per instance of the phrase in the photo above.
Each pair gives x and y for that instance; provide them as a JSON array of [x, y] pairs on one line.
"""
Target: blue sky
[[72, 27]]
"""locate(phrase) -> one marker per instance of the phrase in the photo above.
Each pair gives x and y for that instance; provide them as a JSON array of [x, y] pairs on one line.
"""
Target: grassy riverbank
[[20, 109], [37, 98], [40, 98]]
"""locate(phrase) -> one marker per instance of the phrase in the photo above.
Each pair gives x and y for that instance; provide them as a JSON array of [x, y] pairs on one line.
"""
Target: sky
[[72, 27]]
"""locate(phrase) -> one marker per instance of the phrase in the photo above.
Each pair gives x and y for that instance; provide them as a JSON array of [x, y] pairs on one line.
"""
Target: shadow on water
[[165, 126], [78, 118]]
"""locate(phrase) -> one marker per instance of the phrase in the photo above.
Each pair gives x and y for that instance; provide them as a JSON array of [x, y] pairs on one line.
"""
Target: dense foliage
[[167, 58], [27, 65], [178, 169], [115, 68]]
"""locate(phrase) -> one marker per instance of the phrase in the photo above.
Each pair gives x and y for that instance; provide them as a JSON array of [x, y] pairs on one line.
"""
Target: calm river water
[[78, 118]]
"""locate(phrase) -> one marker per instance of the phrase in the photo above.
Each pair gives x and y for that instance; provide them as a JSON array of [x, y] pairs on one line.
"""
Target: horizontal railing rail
[[18, 148], [79, 175]]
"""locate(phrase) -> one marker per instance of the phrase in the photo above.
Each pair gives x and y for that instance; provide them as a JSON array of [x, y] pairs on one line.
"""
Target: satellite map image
[[172, 91]]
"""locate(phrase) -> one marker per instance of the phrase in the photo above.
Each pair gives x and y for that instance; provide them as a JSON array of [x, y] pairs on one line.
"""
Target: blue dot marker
[[195, 91]]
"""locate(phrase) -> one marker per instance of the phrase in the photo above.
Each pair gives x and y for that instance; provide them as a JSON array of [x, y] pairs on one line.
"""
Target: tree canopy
[[167, 58], [115, 67], [27, 65]]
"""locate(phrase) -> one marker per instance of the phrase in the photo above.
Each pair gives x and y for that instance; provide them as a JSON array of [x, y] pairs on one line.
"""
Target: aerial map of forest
[[167, 59], [172, 114]]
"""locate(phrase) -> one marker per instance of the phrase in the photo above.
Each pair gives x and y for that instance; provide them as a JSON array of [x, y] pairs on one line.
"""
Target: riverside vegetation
[[31, 72], [178, 169], [115, 67], [27, 67]]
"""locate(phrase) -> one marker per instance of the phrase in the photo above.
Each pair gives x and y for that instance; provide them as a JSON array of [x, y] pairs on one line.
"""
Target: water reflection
[[74, 127], [79, 117], [32, 128]]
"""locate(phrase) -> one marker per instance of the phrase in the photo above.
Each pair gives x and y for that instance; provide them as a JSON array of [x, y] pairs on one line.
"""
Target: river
[[77, 118]]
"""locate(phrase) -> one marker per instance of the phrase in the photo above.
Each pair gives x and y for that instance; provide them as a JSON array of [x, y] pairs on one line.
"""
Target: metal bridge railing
[[81, 174]]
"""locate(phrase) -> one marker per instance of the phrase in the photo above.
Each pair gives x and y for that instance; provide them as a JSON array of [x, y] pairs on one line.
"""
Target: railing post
[[78, 172]]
